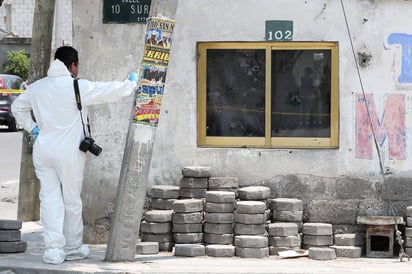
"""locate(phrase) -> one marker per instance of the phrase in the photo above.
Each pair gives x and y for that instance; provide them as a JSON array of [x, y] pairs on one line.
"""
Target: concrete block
[[188, 205], [409, 221], [192, 192], [409, 211], [287, 216], [318, 240], [224, 239], [348, 251], [250, 218], [220, 208], [161, 204], [223, 182], [155, 228], [10, 224], [220, 197], [213, 228], [408, 241], [164, 192], [349, 239], [245, 229], [219, 218], [286, 204], [160, 238], [274, 250], [322, 253], [188, 238], [13, 247], [189, 250], [246, 252], [408, 231], [192, 182], [233, 190], [187, 218], [283, 229], [254, 193], [317, 229], [158, 216], [408, 250], [147, 248], [250, 207], [10, 235], [187, 228], [196, 171], [255, 241], [166, 246], [287, 241], [220, 250]]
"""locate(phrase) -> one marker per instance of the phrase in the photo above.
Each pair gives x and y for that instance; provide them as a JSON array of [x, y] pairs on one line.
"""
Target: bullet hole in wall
[[364, 59]]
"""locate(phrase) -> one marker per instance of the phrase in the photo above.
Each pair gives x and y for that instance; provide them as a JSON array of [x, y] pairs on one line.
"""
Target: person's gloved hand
[[133, 76], [35, 132]]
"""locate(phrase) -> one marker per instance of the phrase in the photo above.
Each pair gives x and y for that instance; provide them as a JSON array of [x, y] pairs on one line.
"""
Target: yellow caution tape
[[11, 91]]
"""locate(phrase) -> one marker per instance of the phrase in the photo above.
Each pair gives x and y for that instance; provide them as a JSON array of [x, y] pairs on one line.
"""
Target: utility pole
[[41, 43], [131, 191]]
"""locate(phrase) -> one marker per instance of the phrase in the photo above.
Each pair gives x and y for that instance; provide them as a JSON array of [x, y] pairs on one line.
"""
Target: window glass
[[301, 84], [235, 92]]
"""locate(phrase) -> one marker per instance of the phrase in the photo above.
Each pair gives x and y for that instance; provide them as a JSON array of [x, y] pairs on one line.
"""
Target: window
[[268, 94]]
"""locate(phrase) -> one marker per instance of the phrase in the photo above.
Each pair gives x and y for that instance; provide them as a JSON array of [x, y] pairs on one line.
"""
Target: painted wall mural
[[389, 123]]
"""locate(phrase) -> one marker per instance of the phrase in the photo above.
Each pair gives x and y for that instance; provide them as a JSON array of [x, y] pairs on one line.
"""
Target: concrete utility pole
[[131, 191], [29, 186]]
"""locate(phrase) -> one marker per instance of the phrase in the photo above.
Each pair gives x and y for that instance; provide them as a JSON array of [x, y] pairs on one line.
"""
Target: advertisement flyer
[[153, 71]]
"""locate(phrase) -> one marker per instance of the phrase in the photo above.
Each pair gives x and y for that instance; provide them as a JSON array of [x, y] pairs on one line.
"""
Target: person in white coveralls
[[59, 163]]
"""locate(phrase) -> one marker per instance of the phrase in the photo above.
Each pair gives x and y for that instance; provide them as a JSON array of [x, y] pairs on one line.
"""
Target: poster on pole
[[153, 71]]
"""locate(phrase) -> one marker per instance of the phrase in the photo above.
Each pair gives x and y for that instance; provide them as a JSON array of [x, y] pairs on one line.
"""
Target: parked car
[[8, 81]]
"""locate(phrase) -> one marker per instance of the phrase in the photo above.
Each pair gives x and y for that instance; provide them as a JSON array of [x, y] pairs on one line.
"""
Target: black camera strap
[[79, 106]]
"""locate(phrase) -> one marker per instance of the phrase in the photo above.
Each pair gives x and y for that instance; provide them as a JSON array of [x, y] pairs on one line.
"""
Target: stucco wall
[[371, 24], [323, 178]]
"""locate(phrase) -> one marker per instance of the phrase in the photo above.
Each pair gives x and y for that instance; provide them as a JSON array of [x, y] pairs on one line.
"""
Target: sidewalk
[[165, 262]]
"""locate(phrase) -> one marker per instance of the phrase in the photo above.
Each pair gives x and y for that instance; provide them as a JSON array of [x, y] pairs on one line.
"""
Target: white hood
[[58, 68]]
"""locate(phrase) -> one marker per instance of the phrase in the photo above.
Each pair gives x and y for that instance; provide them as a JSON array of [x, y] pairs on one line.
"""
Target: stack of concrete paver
[[251, 239], [349, 245], [408, 231], [10, 237], [287, 210], [163, 196], [318, 237], [157, 227], [194, 182], [187, 221], [218, 226], [283, 237]]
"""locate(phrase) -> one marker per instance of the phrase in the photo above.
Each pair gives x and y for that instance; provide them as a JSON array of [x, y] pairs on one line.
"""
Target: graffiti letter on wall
[[391, 127], [406, 68]]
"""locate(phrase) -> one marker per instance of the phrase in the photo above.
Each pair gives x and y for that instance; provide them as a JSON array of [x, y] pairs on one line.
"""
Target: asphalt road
[[10, 155]]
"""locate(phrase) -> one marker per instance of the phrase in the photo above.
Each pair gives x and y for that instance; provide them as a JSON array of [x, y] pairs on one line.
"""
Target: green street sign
[[277, 30], [126, 11]]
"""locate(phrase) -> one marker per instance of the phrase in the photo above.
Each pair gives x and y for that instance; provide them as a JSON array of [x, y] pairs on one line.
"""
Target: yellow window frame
[[267, 141]]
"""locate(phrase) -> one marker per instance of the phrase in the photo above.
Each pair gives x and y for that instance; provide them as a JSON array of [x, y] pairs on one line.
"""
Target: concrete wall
[[346, 178]]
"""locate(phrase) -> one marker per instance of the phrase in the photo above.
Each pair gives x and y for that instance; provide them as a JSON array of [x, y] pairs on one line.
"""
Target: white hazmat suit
[[58, 162]]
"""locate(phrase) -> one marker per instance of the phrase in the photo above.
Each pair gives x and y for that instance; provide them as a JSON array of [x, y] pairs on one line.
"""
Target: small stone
[[224, 239], [223, 182], [349, 239], [187, 218], [246, 252], [166, 246], [13, 247], [282, 229], [10, 235], [187, 228], [348, 251], [219, 218], [318, 240], [287, 241], [188, 238], [162, 204], [192, 182], [255, 241], [250, 218], [287, 216], [218, 228], [250, 207], [192, 192], [245, 229], [220, 197], [158, 216], [286, 204], [220, 208], [409, 211], [160, 238], [156, 228]]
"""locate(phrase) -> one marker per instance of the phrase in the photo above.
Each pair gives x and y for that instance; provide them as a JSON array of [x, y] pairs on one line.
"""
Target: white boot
[[54, 256], [77, 254]]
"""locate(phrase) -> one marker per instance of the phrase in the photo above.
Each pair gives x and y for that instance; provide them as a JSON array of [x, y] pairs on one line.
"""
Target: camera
[[88, 145]]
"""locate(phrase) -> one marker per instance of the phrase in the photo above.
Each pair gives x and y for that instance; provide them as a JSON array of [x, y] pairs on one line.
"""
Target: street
[[10, 151]]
